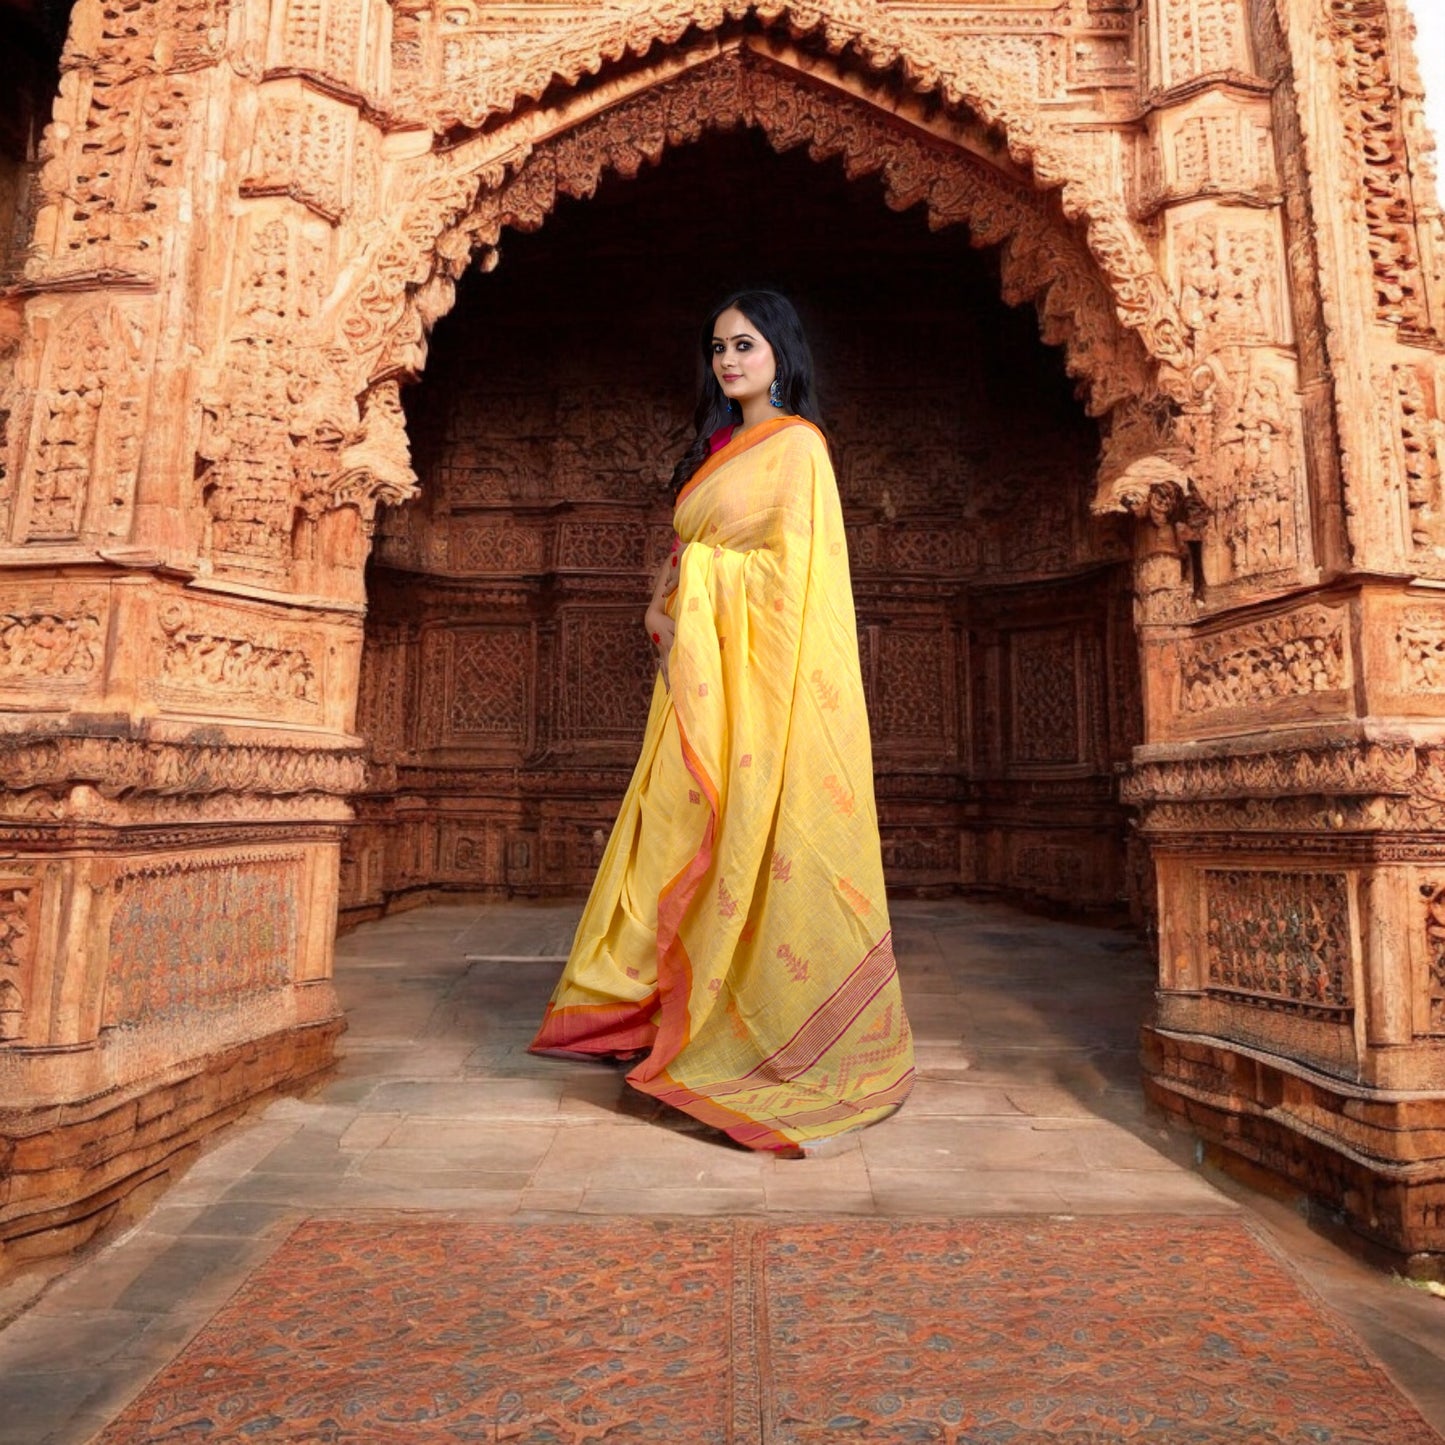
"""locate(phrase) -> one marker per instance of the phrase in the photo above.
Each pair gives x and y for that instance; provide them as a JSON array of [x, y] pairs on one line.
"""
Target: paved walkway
[[1028, 1103]]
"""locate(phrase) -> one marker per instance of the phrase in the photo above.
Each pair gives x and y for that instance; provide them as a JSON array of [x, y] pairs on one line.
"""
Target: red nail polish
[[656, 638]]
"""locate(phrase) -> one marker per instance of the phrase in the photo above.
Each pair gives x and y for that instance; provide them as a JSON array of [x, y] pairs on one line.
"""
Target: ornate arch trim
[[468, 196], [980, 80]]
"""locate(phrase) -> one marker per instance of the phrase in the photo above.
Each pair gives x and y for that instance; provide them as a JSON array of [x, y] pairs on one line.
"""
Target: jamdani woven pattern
[[752, 1332]]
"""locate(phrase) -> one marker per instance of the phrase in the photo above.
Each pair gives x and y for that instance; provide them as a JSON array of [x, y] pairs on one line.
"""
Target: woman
[[736, 943]]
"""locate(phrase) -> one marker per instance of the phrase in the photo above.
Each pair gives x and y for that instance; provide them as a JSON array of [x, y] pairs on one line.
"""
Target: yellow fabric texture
[[737, 932]]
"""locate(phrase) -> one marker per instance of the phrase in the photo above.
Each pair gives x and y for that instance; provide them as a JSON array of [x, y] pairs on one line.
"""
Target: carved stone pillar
[[1288, 785], [183, 523]]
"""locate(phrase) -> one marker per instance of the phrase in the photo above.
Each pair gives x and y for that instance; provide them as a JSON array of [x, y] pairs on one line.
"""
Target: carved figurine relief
[[86, 428], [1230, 279], [1257, 483]]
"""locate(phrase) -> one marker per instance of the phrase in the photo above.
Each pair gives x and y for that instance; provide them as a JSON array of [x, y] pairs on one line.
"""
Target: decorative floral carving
[[1280, 940], [1293, 655], [1045, 700], [242, 939], [1360, 33]]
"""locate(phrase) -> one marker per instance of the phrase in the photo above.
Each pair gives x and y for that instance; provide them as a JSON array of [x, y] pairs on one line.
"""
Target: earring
[[775, 392]]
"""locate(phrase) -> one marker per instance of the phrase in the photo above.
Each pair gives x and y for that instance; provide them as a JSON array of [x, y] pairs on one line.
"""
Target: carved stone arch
[[984, 79], [1096, 297]]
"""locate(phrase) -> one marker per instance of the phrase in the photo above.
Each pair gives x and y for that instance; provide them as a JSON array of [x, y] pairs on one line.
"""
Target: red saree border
[[585, 1030], [819, 1032], [736, 447]]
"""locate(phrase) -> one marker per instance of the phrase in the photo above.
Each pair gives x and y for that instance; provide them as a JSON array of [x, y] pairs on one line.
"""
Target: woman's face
[[742, 360]]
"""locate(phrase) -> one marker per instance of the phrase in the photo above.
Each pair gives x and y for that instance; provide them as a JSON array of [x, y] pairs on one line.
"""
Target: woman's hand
[[661, 629]]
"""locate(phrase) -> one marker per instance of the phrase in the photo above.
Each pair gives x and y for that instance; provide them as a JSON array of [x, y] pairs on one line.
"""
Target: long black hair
[[773, 315]]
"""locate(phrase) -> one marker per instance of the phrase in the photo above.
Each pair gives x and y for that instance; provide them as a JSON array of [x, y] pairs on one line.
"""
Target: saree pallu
[[737, 933]]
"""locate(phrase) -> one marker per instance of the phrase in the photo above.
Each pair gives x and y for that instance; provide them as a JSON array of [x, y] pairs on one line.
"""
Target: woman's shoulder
[[800, 437]]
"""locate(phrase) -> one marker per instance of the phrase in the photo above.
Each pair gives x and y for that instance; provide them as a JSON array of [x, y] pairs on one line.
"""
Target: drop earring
[[775, 392]]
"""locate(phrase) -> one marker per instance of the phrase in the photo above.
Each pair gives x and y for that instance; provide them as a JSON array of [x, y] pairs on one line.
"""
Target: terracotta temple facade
[[324, 537]]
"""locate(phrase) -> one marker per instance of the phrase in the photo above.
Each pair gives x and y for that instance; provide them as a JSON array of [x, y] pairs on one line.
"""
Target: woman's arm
[[660, 627]]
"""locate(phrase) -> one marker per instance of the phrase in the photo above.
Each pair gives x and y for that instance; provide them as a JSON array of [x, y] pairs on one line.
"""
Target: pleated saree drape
[[737, 933]]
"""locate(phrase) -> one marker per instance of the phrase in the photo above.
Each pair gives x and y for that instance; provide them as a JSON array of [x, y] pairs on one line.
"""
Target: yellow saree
[[737, 932]]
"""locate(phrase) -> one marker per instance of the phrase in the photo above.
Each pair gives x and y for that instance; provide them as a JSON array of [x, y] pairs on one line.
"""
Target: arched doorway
[[204, 413], [506, 676]]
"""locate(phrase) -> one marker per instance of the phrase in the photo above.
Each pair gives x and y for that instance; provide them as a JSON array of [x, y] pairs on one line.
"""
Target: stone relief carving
[[1045, 701], [1229, 281], [204, 657], [608, 671], [118, 767], [86, 428], [112, 160], [1435, 955], [17, 944], [1412, 443], [1202, 37], [1294, 655], [1280, 940], [1225, 152], [51, 645], [1258, 476], [246, 910], [1421, 640], [486, 690], [1359, 32], [304, 148], [1292, 772]]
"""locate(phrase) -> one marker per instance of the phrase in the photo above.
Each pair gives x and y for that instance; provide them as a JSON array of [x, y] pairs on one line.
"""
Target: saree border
[[736, 446]]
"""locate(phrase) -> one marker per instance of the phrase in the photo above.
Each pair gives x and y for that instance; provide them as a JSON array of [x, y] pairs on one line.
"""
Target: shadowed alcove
[[506, 673]]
